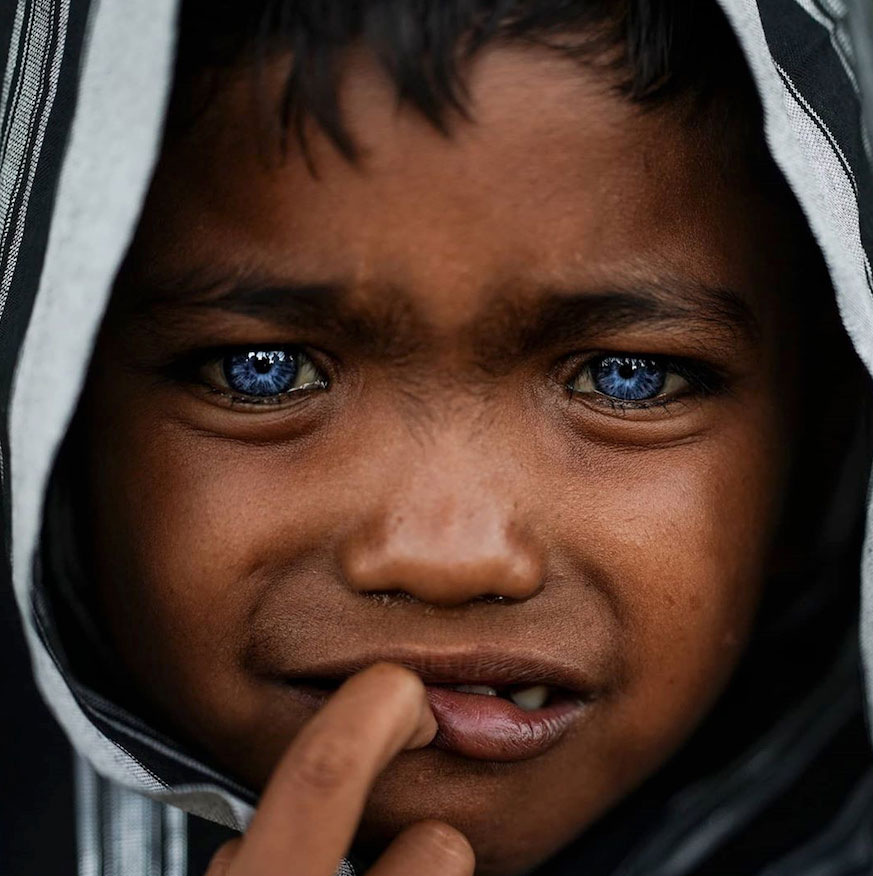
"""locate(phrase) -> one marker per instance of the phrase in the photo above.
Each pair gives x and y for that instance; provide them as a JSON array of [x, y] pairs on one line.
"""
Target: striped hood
[[84, 92]]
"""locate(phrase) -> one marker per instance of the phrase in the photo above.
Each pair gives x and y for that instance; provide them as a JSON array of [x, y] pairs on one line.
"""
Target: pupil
[[629, 378], [260, 373]]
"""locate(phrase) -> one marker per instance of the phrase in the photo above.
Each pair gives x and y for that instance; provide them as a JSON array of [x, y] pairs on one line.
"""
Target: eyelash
[[703, 380], [190, 367]]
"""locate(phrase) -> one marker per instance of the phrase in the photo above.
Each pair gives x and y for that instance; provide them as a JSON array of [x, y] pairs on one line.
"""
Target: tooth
[[482, 689], [530, 698]]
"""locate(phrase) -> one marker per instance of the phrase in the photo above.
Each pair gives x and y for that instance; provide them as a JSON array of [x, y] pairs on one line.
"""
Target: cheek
[[193, 532], [680, 537], [188, 530]]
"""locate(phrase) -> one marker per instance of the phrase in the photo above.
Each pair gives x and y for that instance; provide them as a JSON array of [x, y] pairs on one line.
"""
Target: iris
[[260, 373], [628, 378]]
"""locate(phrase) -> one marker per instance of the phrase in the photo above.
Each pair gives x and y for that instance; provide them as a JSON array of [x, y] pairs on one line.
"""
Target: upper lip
[[487, 667]]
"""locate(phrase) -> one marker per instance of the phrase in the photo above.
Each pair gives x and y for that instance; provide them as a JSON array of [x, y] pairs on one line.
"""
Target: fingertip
[[428, 848], [450, 844], [412, 686], [396, 675], [426, 727], [409, 693]]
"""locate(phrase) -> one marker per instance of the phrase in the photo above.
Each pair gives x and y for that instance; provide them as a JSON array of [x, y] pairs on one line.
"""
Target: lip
[[477, 726], [492, 728]]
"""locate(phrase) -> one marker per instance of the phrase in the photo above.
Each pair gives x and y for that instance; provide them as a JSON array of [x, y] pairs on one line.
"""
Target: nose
[[447, 533]]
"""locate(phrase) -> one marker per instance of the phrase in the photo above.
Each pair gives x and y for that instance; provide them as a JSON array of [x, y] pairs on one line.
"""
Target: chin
[[510, 831]]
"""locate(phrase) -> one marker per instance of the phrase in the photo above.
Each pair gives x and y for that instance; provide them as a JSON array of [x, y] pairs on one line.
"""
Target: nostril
[[396, 596], [390, 597], [449, 566], [495, 599]]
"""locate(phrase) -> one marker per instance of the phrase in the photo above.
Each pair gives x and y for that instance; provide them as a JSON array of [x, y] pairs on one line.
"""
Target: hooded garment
[[778, 781]]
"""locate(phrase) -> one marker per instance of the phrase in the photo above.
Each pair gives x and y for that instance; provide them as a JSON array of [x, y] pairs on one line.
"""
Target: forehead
[[555, 180]]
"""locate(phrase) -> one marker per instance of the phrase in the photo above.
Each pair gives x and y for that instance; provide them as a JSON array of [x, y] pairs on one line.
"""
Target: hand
[[310, 809]]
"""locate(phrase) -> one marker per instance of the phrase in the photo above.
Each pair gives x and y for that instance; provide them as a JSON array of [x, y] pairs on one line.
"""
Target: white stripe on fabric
[[18, 120], [812, 10], [120, 832], [18, 54], [87, 798], [129, 821], [28, 125], [837, 180], [840, 40], [824, 192], [861, 31], [15, 49], [175, 841], [844, 165], [209, 801], [836, 8], [113, 143], [127, 725]]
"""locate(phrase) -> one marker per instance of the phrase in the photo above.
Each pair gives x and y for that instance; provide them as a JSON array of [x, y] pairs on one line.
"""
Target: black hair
[[652, 50]]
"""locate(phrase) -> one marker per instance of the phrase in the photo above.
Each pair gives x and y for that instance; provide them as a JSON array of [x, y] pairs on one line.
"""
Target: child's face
[[449, 291]]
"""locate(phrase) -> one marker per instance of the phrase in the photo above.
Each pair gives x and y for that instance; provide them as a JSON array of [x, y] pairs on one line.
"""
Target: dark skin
[[450, 477]]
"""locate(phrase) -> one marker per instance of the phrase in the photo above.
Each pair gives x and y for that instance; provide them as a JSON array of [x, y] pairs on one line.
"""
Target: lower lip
[[492, 728], [485, 727]]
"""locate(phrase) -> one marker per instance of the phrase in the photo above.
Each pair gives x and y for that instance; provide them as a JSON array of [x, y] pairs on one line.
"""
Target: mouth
[[499, 709]]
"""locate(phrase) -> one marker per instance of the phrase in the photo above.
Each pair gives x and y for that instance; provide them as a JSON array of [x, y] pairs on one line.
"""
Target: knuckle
[[324, 764], [449, 845]]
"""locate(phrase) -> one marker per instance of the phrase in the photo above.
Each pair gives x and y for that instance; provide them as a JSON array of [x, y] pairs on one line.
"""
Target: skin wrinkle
[[634, 545]]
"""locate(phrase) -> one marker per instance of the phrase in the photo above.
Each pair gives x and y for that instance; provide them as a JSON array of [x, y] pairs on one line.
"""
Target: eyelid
[[702, 378], [195, 367]]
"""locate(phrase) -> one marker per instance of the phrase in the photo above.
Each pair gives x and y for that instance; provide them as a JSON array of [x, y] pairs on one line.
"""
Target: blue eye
[[260, 372], [628, 378], [634, 379], [264, 374]]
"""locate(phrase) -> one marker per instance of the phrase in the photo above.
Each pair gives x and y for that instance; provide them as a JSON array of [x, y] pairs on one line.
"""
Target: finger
[[223, 858], [428, 848], [311, 807]]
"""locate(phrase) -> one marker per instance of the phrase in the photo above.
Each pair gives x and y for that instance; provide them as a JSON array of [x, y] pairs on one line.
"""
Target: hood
[[84, 92]]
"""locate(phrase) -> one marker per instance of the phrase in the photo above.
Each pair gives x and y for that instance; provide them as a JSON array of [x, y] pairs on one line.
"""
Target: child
[[482, 341]]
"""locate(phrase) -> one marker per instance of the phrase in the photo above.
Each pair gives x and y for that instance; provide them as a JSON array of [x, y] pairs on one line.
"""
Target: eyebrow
[[509, 327], [562, 315], [389, 329]]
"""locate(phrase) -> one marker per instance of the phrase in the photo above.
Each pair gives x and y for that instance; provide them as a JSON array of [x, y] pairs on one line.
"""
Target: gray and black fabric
[[769, 785]]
